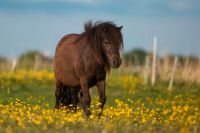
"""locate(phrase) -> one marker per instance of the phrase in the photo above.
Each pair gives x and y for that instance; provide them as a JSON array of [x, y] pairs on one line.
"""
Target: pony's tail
[[70, 96], [66, 96]]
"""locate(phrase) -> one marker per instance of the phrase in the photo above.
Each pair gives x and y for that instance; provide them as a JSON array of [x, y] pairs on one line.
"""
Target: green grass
[[141, 93], [113, 92]]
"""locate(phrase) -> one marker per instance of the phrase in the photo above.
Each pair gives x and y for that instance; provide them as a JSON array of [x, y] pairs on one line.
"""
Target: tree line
[[136, 57]]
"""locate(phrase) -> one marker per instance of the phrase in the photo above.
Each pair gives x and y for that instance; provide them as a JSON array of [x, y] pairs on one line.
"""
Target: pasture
[[99, 66], [27, 105]]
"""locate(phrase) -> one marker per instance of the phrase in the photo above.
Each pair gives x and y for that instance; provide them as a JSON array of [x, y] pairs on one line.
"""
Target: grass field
[[27, 105]]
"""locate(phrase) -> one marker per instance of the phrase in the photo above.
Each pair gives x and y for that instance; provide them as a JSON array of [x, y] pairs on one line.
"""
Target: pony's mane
[[95, 38]]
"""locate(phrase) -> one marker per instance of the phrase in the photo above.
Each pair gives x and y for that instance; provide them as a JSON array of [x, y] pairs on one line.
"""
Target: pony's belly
[[74, 82], [71, 81]]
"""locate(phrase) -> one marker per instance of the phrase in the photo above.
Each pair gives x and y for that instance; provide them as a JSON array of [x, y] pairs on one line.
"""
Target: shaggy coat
[[83, 60]]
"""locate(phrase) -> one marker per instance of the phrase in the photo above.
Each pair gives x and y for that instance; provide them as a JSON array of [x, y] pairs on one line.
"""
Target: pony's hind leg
[[58, 93]]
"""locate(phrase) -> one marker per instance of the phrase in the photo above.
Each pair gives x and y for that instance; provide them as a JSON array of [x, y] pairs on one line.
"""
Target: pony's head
[[107, 40]]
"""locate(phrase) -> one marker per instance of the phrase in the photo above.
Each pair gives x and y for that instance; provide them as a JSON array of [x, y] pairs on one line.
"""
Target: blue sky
[[39, 24]]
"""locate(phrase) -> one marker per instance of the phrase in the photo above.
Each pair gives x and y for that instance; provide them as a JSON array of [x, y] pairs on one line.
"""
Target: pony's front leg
[[102, 96], [86, 99]]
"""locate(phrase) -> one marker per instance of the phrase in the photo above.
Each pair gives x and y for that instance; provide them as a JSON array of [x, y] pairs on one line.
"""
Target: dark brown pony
[[82, 61]]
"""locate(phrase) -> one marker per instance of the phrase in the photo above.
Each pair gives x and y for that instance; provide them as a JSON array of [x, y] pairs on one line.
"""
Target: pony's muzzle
[[116, 63]]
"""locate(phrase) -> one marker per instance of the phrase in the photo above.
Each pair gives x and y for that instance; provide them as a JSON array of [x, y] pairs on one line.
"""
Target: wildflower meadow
[[27, 104]]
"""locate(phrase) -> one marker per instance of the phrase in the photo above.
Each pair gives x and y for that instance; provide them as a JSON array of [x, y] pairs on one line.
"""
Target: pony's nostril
[[115, 63]]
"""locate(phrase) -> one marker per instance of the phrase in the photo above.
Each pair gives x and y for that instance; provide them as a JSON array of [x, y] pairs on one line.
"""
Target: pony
[[83, 60]]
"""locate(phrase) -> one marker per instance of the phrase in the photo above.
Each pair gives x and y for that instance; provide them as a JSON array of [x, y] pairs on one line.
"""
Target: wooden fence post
[[153, 72], [172, 74], [146, 71], [14, 64]]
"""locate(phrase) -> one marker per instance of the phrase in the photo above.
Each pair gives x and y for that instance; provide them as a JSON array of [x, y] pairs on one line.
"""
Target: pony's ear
[[120, 27]]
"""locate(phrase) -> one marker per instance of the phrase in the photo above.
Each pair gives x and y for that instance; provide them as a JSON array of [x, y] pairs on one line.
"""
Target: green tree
[[136, 56], [28, 59]]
